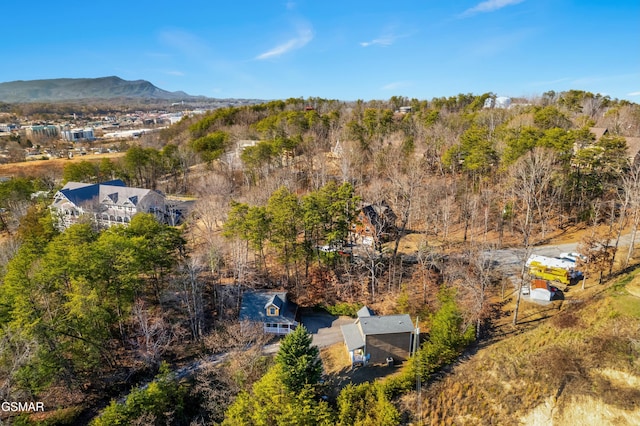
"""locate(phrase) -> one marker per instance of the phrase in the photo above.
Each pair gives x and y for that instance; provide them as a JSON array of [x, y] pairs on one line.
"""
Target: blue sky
[[332, 49]]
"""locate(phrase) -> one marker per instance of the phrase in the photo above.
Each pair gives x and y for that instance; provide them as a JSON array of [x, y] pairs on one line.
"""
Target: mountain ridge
[[72, 89]]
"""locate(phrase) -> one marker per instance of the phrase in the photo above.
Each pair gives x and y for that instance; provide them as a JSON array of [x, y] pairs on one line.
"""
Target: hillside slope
[[64, 89], [581, 366]]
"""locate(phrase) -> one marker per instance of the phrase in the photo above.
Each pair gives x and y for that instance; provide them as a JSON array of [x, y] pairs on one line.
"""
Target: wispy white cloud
[[488, 6], [304, 34], [634, 93], [176, 73], [386, 39], [396, 85]]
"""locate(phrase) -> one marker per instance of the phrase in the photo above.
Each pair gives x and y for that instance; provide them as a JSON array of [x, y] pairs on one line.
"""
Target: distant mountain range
[[71, 89]]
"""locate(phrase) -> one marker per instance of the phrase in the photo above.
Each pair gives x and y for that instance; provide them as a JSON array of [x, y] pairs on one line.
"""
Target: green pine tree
[[300, 361]]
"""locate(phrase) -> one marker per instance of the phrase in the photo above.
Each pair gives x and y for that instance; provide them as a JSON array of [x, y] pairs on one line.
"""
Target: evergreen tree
[[366, 404], [270, 402], [300, 361]]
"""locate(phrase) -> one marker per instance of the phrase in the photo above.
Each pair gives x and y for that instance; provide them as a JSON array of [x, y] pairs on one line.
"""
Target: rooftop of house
[[365, 311], [386, 324], [633, 143], [368, 324], [353, 337], [111, 192], [255, 303], [379, 214]]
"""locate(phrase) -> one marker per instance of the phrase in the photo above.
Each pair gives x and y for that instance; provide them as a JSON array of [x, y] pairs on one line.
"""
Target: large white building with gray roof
[[108, 203]]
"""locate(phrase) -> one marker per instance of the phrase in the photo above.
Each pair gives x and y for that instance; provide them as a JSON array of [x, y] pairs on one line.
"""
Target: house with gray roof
[[378, 339], [272, 308], [108, 203]]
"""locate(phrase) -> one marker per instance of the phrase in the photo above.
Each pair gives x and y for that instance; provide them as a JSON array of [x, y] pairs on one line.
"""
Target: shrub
[[162, 400], [343, 309]]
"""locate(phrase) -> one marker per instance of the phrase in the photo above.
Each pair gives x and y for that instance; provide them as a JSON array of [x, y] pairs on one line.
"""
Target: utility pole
[[416, 345]]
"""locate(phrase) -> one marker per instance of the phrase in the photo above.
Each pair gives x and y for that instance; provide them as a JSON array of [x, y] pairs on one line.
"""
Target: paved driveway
[[324, 328]]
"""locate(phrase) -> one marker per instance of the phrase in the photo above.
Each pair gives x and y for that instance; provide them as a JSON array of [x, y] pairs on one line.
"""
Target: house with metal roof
[[378, 339], [108, 203], [272, 308]]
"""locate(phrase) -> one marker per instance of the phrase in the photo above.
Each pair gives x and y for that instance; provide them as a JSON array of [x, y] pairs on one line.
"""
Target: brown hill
[[579, 365]]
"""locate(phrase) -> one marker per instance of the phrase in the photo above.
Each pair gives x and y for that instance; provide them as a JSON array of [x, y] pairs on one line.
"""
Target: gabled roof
[[274, 300], [633, 147], [255, 303], [81, 192], [387, 324], [112, 192], [111, 198], [364, 312], [123, 195], [352, 336], [379, 214], [599, 131], [633, 143], [369, 325]]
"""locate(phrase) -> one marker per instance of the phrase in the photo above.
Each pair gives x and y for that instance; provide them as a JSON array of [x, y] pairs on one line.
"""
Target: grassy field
[[52, 167]]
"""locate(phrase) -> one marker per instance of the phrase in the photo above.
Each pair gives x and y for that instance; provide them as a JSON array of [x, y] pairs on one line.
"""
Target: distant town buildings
[[42, 130], [8, 127], [77, 135]]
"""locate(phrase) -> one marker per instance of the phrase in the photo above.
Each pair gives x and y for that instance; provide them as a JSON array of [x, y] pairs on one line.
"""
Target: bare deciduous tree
[[597, 247], [531, 176], [153, 333], [190, 286], [631, 196], [15, 351]]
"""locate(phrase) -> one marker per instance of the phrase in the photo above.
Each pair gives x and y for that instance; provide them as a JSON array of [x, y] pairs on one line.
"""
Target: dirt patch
[[620, 378], [335, 359], [580, 411]]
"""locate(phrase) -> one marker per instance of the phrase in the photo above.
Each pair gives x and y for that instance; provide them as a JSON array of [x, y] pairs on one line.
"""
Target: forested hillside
[[277, 192], [65, 89]]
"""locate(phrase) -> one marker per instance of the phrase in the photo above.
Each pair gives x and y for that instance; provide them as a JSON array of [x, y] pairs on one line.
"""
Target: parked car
[[573, 256]]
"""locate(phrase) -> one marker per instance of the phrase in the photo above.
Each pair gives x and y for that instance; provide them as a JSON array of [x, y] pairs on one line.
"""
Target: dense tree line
[[69, 298]]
